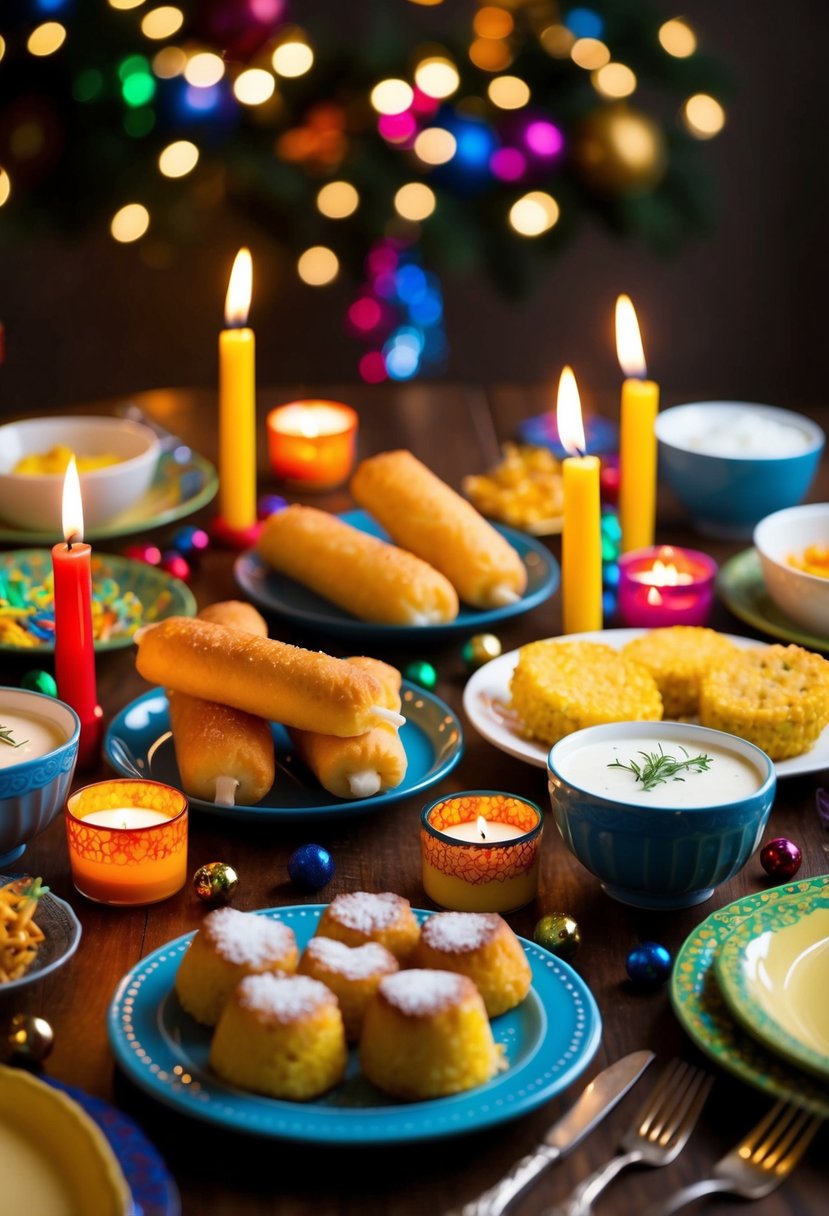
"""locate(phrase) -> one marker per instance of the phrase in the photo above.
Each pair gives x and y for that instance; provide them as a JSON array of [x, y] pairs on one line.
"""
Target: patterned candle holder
[[127, 841], [312, 444], [665, 585], [481, 851]]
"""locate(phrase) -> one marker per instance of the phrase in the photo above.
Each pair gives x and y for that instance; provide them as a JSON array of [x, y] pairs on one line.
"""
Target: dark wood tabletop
[[455, 430]]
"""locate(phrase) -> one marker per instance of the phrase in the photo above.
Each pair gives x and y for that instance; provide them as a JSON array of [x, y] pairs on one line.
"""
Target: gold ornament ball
[[216, 882], [619, 150], [559, 934], [28, 1039], [480, 649]]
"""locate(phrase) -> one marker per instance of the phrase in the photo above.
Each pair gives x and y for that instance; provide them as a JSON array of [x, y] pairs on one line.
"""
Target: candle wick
[[483, 835]]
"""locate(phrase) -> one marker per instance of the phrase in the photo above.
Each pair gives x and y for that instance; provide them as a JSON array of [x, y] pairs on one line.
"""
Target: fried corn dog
[[224, 755], [426, 516], [300, 688], [368, 577], [366, 764]]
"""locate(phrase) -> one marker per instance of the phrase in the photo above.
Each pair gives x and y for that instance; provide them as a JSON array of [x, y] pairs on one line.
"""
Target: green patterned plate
[[772, 970], [125, 595], [741, 587], [704, 1015]]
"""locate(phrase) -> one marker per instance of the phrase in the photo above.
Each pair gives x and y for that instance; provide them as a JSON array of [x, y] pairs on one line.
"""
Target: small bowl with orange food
[[116, 461], [793, 547]]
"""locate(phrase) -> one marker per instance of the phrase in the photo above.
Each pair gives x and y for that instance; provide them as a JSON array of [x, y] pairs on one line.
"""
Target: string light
[[492, 22], [125, 4], [292, 59], [435, 145], [130, 223], [162, 22], [557, 41], [614, 80], [169, 62], [534, 213], [392, 96], [254, 87], [2, 46], [179, 158], [5, 187], [590, 54], [414, 201], [46, 39], [508, 92], [677, 38], [204, 69], [437, 77], [704, 116], [338, 200], [490, 55], [318, 266]]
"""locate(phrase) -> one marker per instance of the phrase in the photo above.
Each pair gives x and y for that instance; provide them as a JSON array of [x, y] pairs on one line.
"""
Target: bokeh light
[[397, 128], [585, 23], [87, 84], [414, 201], [337, 200], [392, 96], [508, 92], [437, 77], [534, 213], [508, 164], [318, 265], [543, 139], [5, 187], [590, 54], [254, 87], [435, 145], [179, 158], [137, 82], [493, 22], [130, 223], [677, 38], [614, 80], [372, 366], [704, 116], [46, 39], [490, 55], [169, 62], [125, 4], [2, 46], [162, 22], [557, 40], [292, 59], [204, 69]]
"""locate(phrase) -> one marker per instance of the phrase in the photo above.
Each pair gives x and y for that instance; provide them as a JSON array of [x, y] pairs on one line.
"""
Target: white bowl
[[34, 501], [803, 597]]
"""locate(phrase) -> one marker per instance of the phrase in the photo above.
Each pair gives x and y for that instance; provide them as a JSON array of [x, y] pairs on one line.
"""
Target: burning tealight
[[312, 443], [665, 585]]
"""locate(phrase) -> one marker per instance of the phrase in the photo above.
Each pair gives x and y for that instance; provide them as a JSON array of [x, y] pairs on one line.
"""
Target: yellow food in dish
[[559, 687], [38, 464], [19, 935], [367, 916], [351, 972], [525, 489], [813, 560], [482, 946], [678, 657]]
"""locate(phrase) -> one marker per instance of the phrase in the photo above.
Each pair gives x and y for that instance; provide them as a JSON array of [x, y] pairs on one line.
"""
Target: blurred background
[[729, 285]]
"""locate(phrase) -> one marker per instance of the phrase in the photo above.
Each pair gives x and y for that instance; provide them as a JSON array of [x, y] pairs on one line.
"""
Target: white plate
[[486, 702]]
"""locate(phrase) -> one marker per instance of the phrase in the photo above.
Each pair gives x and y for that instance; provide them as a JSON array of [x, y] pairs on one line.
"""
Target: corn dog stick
[[366, 764], [423, 514], [300, 688], [368, 577]]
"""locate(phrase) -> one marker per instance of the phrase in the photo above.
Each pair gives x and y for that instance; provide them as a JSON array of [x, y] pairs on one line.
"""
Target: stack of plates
[[749, 988]]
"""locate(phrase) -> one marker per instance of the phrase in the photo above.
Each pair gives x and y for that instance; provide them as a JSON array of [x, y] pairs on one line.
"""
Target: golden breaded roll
[[365, 764], [304, 689], [368, 577], [426, 516], [224, 755]]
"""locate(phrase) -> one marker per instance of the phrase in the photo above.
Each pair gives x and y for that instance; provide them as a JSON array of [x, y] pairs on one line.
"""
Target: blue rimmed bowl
[[652, 849], [34, 788]]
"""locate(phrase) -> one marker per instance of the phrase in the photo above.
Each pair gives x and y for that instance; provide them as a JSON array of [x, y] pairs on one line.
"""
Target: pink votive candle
[[665, 585]]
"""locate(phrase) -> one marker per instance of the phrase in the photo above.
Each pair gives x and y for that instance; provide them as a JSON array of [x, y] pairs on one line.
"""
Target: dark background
[[740, 314]]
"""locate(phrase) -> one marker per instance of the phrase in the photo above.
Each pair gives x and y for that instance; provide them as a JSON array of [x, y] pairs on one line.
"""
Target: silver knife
[[595, 1101]]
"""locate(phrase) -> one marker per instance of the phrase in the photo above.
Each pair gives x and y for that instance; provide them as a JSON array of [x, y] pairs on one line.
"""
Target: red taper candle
[[74, 647]]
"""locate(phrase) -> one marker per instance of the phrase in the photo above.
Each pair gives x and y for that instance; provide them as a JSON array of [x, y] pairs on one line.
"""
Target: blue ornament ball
[[39, 681], [189, 541], [269, 504], [310, 867], [649, 964]]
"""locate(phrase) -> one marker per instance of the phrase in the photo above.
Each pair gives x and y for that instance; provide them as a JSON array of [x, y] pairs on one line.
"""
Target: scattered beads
[[422, 673], [649, 964], [558, 933], [480, 649], [215, 882], [310, 867], [39, 681], [781, 858]]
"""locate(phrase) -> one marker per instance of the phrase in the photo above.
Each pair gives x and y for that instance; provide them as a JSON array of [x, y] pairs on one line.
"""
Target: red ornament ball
[[151, 554], [175, 564], [781, 858]]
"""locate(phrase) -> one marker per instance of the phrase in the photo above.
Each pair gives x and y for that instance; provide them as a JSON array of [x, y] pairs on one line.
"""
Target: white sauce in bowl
[[35, 734], [737, 432], [729, 778]]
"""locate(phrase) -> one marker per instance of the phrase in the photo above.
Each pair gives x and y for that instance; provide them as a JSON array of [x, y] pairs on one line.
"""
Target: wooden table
[[455, 430]]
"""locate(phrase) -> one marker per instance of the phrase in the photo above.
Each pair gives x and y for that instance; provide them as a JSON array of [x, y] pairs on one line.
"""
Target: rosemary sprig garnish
[[659, 768], [6, 737]]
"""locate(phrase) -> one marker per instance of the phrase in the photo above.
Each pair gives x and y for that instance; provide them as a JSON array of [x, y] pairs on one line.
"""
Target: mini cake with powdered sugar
[[228, 946], [426, 1034], [366, 916], [282, 1036], [351, 972], [482, 946]]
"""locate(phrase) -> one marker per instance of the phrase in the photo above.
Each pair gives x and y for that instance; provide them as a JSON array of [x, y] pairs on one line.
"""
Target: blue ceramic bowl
[[33, 790], [730, 463], [646, 852]]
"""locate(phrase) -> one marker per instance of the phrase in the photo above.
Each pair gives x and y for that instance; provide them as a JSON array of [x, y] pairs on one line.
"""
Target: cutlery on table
[[595, 1101], [755, 1166], [657, 1135]]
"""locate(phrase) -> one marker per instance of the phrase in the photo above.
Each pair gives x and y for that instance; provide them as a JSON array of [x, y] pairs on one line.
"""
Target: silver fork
[[657, 1135], [758, 1164]]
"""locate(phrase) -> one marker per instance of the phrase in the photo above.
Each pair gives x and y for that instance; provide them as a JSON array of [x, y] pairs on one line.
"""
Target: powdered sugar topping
[[351, 962], [241, 937], [283, 997], [367, 911], [460, 932], [420, 993]]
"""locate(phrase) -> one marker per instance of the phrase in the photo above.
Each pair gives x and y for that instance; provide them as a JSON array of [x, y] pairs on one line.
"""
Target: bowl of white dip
[[38, 749], [660, 812], [730, 463]]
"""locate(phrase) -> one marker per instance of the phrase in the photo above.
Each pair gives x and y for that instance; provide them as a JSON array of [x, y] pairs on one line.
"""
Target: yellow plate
[[54, 1160]]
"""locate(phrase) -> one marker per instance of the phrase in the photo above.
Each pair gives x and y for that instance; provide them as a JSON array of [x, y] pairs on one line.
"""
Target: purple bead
[[781, 858]]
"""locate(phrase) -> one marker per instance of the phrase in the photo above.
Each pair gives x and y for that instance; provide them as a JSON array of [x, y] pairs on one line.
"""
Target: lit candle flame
[[653, 597], [482, 827], [239, 289], [568, 414], [72, 506], [628, 340]]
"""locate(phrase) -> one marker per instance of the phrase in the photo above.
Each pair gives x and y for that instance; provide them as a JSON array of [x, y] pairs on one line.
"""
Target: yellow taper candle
[[237, 402], [637, 444], [581, 540]]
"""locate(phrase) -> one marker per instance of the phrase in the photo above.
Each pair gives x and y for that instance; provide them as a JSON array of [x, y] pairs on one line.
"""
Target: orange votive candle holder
[[494, 865], [312, 444], [127, 841]]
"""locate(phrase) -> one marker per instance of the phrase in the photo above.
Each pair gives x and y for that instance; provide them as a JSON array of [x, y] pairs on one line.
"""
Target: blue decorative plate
[[550, 1038], [275, 593], [153, 1191], [133, 593], [62, 933], [139, 743]]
